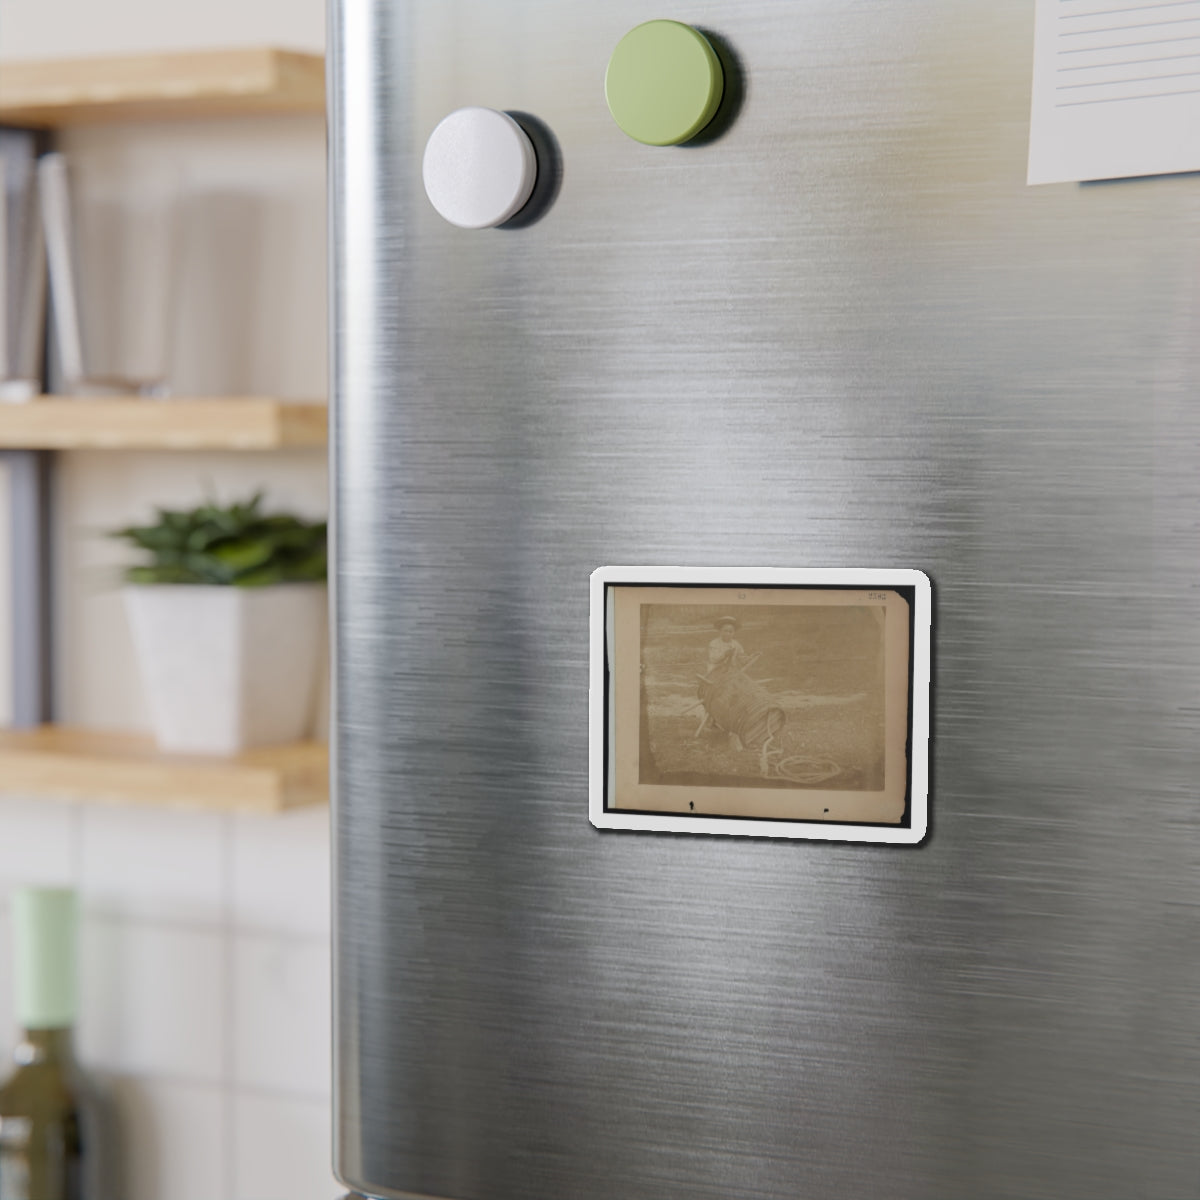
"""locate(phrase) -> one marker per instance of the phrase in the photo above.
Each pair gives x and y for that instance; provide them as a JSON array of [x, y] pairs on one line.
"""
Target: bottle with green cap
[[44, 1147]]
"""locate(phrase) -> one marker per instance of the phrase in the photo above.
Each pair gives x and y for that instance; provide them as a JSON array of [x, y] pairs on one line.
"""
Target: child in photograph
[[724, 649]]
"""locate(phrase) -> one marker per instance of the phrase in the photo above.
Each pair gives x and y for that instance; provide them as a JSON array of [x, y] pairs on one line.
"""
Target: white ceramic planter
[[227, 668]]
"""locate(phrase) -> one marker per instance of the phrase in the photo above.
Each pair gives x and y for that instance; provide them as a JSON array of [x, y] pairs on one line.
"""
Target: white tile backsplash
[[171, 1141], [204, 978], [281, 872], [38, 841], [154, 1000], [155, 864], [282, 1150], [281, 1014]]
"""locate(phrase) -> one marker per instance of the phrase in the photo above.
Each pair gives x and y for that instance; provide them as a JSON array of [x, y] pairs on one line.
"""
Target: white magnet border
[[911, 833]]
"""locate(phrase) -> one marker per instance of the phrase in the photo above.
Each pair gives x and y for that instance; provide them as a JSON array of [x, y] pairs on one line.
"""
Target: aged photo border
[[790, 773], [914, 826]]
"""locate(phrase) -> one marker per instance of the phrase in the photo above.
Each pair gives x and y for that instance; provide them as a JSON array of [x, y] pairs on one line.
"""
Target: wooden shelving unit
[[228, 423], [84, 765], [79, 764], [218, 83]]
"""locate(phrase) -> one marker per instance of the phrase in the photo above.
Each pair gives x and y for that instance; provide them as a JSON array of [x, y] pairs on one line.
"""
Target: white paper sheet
[[1116, 89]]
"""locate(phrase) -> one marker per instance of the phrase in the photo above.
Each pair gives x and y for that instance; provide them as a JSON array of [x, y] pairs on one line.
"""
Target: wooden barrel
[[741, 706]]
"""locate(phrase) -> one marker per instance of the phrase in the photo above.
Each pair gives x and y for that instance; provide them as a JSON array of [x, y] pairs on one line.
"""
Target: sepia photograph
[[781, 704], [771, 696]]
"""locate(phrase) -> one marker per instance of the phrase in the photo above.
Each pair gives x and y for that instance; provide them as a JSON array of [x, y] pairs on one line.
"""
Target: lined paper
[[1116, 89]]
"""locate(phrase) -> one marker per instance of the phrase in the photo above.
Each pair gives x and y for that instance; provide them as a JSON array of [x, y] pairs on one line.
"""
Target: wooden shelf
[[228, 423], [215, 83], [78, 764]]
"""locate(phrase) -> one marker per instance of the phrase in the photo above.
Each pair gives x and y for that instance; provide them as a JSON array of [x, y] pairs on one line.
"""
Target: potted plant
[[228, 621]]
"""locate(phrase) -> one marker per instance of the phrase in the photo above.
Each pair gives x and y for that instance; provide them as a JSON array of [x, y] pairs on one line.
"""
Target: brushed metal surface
[[843, 333]]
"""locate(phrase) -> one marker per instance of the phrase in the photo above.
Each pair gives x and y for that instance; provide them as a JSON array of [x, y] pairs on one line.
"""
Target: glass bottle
[[42, 1140]]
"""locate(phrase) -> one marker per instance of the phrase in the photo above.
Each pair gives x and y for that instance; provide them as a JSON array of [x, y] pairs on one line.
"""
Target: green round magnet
[[664, 83]]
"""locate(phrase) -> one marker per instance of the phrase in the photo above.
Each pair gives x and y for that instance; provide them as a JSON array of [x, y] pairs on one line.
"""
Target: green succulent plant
[[237, 546]]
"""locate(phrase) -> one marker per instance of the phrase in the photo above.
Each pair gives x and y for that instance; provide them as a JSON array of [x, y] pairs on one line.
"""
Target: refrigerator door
[[842, 333]]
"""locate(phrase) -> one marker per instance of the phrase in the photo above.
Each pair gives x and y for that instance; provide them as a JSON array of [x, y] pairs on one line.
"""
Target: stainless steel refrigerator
[[835, 329]]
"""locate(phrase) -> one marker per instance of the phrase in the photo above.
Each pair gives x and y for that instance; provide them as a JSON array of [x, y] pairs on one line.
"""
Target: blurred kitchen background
[[205, 940]]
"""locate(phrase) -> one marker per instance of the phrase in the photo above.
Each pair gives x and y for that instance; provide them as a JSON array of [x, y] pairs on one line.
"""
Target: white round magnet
[[479, 168]]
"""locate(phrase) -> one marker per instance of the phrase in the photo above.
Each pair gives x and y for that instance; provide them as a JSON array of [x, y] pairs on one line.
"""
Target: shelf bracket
[[29, 475]]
